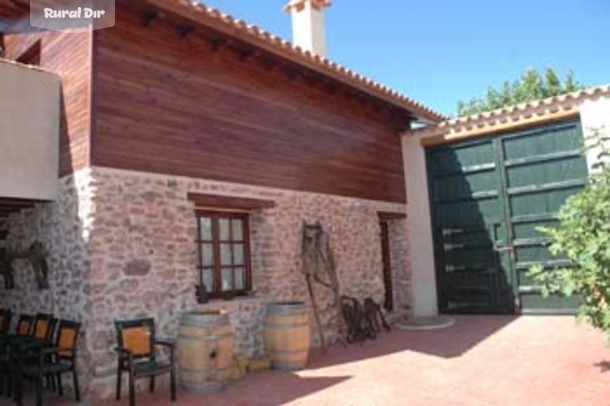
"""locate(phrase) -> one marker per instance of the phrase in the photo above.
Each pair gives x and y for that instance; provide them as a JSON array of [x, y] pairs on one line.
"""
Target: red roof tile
[[513, 115]]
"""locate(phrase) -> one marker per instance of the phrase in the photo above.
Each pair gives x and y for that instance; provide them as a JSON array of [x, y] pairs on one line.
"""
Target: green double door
[[488, 196]]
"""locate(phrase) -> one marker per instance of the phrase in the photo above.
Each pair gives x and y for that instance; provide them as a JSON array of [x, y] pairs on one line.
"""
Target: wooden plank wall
[[69, 55], [174, 106]]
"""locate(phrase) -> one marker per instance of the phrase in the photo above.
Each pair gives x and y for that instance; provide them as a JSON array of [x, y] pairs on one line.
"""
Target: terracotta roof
[[277, 45], [514, 116]]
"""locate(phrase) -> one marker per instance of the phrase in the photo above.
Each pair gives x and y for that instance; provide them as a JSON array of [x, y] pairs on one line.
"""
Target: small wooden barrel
[[205, 351], [287, 335]]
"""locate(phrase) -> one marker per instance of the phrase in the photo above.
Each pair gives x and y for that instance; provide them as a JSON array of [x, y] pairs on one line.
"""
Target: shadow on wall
[[469, 229]]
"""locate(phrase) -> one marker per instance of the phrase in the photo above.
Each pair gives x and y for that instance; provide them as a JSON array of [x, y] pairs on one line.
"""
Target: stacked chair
[[51, 362], [5, 324], [40, 351]]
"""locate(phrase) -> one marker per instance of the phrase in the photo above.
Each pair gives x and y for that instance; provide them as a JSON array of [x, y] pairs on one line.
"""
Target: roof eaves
[[514, 114], [256, 36]]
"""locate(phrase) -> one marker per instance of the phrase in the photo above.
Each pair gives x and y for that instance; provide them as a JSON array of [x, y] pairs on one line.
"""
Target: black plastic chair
[[137, 356], [11, 346], [51, 362], [5, 370], [5, 321], [43, 327], [25, 325]]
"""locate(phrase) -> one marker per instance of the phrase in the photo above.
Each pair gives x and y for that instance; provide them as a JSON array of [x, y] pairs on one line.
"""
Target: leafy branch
[[583, 237]]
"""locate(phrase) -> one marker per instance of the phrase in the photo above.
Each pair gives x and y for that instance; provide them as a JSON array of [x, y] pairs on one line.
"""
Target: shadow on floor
[[267, 389], [604, 366], [276, 388], [466, 333]]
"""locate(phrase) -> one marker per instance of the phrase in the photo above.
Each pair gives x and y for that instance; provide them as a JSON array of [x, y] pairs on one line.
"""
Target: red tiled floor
[[481, 360]]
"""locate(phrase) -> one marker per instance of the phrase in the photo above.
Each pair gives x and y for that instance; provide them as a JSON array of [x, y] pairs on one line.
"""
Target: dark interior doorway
[[388, 302]]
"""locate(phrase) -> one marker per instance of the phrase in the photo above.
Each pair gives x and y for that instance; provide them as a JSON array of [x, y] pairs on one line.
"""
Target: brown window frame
[[216, 292]]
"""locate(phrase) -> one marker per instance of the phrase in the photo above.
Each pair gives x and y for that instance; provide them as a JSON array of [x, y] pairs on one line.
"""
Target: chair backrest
[[24, 325], [67, 336], [5, 321], [43, 326], [137, 336]]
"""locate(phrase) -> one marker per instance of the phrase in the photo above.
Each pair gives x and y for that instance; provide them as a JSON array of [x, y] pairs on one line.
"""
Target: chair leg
[[152, 384], [10, 386], [60, 386], [119, 376], [14, 389], [172, 384], [132, 391], [53, 382], [76, 387], [39, 390]]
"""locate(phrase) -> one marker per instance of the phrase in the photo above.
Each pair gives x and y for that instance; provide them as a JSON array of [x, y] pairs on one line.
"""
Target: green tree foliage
[[583, 237], [531, 86]]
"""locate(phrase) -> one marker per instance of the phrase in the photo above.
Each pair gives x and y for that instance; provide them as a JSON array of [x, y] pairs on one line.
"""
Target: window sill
[[231, 305]]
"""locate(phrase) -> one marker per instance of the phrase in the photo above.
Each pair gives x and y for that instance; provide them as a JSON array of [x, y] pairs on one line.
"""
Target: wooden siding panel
[[174, 106], [69, 56]]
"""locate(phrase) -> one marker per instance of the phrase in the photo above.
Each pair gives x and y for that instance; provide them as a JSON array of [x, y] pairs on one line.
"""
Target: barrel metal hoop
[[203, 338], [200, 324], [289, 351], [295, 312], [204, 369], [285, 325]]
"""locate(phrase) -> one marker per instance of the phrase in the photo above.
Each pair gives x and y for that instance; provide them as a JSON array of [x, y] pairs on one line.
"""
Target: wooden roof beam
[[184, 30], [217, 43], [148, 17]]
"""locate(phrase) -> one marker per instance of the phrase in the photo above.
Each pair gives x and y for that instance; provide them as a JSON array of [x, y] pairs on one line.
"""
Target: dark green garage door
[[487, 197]]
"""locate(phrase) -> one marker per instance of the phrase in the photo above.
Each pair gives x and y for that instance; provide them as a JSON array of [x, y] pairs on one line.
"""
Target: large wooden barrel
[[205, 351], [287, 335]]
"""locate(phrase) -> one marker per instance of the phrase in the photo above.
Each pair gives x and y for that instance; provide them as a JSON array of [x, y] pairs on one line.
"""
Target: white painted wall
[[595, 114], [419, 229], [308, 31], [29, 132]]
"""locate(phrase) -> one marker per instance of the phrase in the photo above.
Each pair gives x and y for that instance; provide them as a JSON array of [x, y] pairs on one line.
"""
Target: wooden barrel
[[287, 335], [205, 351]]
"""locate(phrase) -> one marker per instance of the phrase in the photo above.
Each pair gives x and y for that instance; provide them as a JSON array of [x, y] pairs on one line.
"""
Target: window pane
[[224, 230], [238, 232], [205, 228], [227, 279], [208, 279], [225, 254], [240, 278], [238, 254], [207, 253]]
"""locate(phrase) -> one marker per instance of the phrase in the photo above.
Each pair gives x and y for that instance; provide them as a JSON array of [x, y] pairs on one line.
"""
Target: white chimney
[[308, 24]]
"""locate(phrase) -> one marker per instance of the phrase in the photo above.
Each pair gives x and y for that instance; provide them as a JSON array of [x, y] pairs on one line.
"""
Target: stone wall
[[122, 246], [399, 262]]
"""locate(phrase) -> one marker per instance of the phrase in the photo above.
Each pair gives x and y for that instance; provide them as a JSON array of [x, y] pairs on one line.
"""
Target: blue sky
[[440, 51]]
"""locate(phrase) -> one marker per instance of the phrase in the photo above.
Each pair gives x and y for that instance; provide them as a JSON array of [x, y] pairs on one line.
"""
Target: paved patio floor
[[481, 360]]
